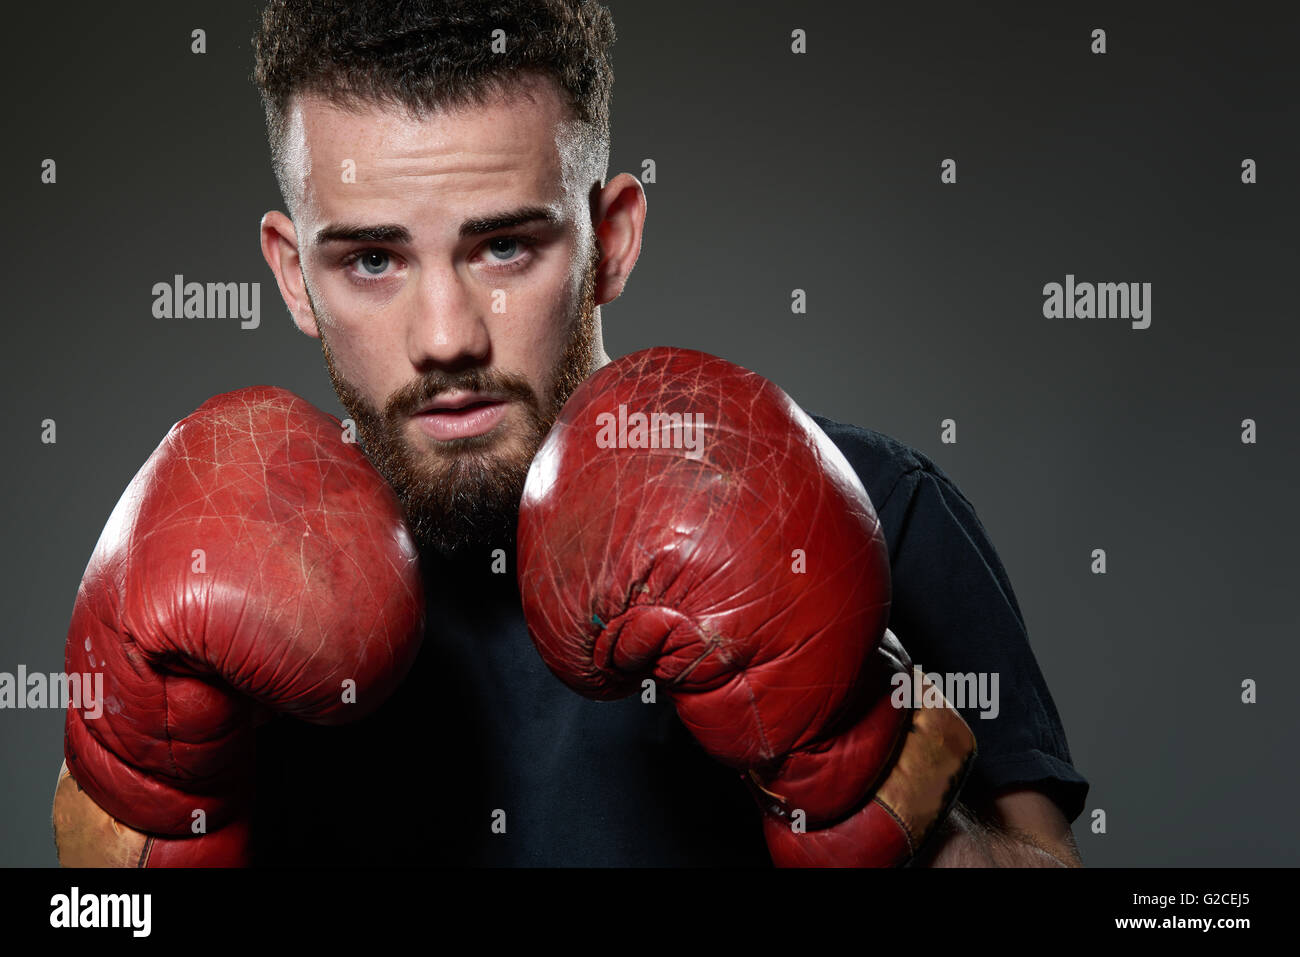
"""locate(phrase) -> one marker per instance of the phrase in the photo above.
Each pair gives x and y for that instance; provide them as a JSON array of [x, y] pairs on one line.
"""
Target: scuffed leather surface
[[311, 578], [917, 788], [646, 563], [828, 779]]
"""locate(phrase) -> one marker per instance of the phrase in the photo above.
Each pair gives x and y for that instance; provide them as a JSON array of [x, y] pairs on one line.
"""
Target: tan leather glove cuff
[[85, 835]]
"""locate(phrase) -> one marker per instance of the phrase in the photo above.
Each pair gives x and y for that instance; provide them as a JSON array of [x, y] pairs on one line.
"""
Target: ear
[[618, 215], [280, 249]]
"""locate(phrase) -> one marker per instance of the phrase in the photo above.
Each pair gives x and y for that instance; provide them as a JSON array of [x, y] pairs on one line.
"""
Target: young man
[[450, 240]]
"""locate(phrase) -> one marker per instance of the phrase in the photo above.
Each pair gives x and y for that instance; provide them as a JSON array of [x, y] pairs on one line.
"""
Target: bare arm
[[1019, 828]]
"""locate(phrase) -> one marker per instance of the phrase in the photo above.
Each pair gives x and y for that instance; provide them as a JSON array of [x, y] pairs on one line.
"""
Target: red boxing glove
[[686, 521], [256, 564]]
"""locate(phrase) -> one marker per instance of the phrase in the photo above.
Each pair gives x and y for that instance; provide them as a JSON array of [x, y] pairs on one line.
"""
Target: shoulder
[[954, 609], [885, 465]]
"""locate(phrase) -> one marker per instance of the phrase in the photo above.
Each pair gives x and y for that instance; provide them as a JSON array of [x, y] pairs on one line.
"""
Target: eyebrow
[[393, 233]]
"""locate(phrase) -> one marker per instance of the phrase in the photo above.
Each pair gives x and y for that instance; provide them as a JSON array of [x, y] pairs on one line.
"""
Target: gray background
[[778, 171]]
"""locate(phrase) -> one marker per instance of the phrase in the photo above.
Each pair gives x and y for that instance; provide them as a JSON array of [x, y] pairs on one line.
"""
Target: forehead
[[522, 140]]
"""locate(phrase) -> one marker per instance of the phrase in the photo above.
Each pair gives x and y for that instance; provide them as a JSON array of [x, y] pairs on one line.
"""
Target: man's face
[[453, 281]]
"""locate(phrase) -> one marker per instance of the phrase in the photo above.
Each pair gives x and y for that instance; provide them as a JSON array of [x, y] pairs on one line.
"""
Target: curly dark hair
[[427, 54]]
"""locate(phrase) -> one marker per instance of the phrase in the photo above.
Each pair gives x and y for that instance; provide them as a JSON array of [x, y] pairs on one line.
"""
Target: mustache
[[407, 400]]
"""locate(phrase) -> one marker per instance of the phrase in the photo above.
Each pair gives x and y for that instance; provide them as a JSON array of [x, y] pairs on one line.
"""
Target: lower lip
[[448, 424]]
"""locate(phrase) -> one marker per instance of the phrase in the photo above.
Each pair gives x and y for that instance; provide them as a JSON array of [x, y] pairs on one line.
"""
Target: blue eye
[[510, 242], [510, 253], [375, 266], [369, 263]]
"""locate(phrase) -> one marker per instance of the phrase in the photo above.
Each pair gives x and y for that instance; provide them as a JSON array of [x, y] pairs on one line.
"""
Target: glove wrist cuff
[[892, 822]]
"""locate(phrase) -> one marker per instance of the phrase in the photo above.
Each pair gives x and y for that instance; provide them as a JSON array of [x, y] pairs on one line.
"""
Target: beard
[[465, 496]]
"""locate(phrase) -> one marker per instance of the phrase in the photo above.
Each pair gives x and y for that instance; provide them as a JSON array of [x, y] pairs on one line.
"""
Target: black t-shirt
[[482, 756], [954, 610]]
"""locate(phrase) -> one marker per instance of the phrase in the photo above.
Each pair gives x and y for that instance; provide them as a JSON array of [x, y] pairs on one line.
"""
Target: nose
[[448, 329]]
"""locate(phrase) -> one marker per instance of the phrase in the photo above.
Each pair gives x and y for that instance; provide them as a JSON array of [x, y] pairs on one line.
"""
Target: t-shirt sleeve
[[954, 610]]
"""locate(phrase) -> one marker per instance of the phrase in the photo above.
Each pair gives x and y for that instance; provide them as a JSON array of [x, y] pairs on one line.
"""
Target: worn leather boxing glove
[[256, 565], [685, 521]]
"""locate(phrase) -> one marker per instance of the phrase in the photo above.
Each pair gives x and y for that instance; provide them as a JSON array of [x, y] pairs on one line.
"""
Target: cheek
[[536, 331], [366, 353]]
